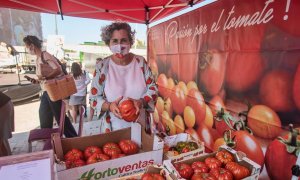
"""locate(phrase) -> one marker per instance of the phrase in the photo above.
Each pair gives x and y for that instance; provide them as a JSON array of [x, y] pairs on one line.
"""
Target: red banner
[[232, 65]]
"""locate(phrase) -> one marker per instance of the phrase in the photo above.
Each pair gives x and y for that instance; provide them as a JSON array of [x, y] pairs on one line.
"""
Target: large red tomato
[[278, 161], [178, 99], [73, 154], [216, 104], [247, 143], [212, 71], [90, 150], [238, 171], [289, 25], [152, 176], [196, 101], [74, 163], [184, 170], [203, 176], [296, 87], [212, 162], [128, 110], [222, 174], [200, 167], [275, 91], [128, 147], [97, 158], [243, 70], [223, 121], [264, 122], [111, 149], [224, 156], [115, 156]]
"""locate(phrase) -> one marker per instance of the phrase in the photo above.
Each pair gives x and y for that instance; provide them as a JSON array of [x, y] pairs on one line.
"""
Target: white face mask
[[120, 50]]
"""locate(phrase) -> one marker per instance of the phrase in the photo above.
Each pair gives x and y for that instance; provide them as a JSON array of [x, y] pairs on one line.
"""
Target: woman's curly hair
[[107, 31], [28, 40], [76, 70]]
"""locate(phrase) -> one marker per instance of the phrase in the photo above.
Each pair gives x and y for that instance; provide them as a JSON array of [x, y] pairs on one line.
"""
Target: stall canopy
[[135, 11]]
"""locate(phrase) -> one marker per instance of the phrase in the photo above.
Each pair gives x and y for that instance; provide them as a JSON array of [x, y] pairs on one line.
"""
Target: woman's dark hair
[[28, 40], [76, 70], [108, 30]]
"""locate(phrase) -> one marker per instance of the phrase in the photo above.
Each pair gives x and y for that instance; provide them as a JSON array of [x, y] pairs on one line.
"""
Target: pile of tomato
[[220, 166], [93, 154], [180, 147]]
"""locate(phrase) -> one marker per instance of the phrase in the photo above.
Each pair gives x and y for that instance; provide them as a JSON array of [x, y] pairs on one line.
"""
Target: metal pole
[[56, 29]]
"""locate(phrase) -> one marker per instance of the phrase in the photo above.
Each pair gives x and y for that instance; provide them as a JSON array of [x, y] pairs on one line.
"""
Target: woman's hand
[[113, 107]]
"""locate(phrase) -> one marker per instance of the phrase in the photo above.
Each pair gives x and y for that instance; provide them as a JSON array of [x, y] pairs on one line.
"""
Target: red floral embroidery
[[147, 99], [108, 119], [107, 130], [94, 91], [154, 96], [101, 79], [94, 103], [152, 88], [149, 80]]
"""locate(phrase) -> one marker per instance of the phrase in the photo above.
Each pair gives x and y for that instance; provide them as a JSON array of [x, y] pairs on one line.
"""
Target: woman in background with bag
[[47, 67], [78, 99]]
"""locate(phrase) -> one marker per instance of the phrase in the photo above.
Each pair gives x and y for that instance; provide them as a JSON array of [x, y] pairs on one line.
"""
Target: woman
[[120, 76], [79, 98], [48, 108]]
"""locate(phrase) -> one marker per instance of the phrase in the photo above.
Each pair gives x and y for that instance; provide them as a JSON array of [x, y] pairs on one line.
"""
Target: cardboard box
[[29, 157], [171, 141], [240, 158], [150, 169], [150, 153]]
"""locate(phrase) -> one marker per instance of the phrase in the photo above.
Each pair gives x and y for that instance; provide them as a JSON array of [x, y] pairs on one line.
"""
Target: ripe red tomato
[[212, 162], [196, 101], [128, 147], [264, 122], [128, 110], [203, 176], [115, 156], [238, 171], [247, 143], [200, 167], [74, 163], [162, 83], [111, 149], [212, 71], [152, 176], [275, 91], [90, 150], [224, 156], [221, 120], [222, 174], [243, 70], [289, 25], [296, 87], [184, 170], [216, 104], [73, 154], [178, 99], [97, 158], [278, 161]]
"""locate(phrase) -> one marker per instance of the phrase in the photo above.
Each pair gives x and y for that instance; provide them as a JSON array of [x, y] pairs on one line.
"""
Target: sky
[[78, 30]]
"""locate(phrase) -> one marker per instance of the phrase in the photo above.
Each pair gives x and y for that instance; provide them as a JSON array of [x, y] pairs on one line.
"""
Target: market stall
[[227, 74]]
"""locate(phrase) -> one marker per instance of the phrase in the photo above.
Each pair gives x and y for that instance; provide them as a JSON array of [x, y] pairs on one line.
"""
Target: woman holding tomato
[[121, 76]]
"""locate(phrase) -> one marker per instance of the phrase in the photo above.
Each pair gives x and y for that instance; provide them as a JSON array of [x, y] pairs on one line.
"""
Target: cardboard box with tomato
[[152, 171], [183, 144], [240, 164], [151, 152]]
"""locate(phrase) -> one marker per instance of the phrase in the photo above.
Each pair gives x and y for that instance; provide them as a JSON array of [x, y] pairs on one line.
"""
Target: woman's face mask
[[120, 50]]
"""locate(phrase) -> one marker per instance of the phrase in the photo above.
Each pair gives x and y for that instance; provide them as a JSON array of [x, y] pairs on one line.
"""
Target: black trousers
[[48, 109]]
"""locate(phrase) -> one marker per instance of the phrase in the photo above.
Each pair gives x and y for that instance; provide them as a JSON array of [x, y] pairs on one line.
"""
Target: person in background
[[48, 108], [6, 123], [89, 80], [78, 99], [123, 75], [92, 111]]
